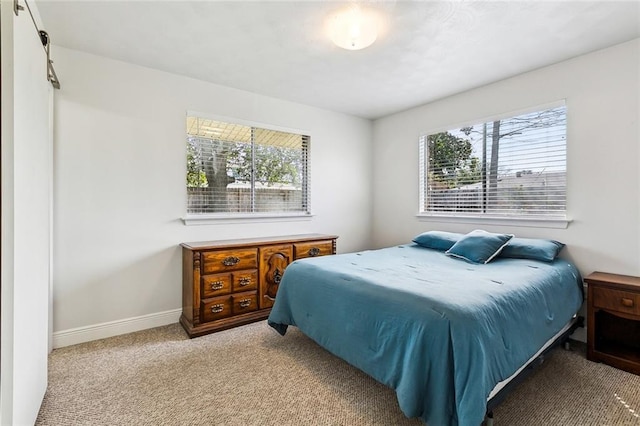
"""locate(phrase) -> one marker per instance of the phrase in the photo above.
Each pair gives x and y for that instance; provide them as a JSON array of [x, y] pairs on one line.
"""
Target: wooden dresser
[[613, 320], [233, 282]]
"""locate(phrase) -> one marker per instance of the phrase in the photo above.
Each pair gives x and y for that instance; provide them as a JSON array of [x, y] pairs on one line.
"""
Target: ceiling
[[426, 50]]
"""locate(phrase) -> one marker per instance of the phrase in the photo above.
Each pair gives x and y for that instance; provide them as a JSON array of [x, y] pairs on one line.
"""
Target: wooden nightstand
[[613, 320]]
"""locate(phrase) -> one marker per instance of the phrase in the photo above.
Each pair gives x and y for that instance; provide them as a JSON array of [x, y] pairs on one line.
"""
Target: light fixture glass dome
[[354, 28]]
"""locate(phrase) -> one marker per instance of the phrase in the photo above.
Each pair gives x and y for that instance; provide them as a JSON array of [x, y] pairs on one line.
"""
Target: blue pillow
[[479, 246], [532, 248], [437, 240]]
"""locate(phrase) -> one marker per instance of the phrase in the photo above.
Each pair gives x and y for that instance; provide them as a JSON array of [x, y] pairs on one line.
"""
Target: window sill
[[557, 223], [225, 218]]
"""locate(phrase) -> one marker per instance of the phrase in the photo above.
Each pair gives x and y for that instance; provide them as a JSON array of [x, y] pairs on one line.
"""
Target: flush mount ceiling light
[[353, 28]]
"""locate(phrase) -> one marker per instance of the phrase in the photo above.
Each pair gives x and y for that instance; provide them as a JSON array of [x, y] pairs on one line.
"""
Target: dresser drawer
[[312, 249], [229, 260], [245, 280], [216, 285], [616, 300], [216, 308], [245, 302]]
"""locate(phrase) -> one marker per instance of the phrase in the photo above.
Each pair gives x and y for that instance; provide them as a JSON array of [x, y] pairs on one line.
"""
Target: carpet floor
[[251, 375]]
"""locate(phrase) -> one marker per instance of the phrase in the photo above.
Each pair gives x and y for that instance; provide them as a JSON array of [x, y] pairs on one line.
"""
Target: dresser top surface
[[203, 245]]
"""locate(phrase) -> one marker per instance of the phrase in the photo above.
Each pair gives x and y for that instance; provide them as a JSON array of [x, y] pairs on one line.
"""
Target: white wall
[[120, 189], [119, 175], [602, 92], [26, 177]]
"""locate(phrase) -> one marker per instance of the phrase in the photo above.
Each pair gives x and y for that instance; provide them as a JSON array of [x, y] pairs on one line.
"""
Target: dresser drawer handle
[[314, 251], [216, 285], [245, 281], [216, 309], [245, 303], [230, 261], [627, 302]]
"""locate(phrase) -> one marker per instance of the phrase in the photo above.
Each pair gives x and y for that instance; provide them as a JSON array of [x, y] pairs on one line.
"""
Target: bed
[[440, 331]]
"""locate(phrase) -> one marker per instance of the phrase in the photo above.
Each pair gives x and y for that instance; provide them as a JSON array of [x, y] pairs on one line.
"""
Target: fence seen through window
[[235, 168], [514, 166]]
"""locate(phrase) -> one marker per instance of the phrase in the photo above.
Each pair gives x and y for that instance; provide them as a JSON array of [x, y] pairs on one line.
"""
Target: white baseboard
[[103, 330], [73, 336]]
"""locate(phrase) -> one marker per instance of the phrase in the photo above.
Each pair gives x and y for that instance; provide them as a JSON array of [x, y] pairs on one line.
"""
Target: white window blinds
[[234, 168], [513, 166]]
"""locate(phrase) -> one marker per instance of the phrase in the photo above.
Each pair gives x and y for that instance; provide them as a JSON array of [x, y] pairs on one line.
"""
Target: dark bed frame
[[563, 339]]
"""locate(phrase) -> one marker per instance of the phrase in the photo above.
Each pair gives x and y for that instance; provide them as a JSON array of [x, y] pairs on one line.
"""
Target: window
[[510, 167], [235, 168]]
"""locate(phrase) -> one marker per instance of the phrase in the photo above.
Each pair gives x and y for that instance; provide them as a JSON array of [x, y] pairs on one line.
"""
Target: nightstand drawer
[[616, 300]]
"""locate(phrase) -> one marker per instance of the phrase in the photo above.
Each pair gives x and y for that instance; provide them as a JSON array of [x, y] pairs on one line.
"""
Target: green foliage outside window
[[451, 163]]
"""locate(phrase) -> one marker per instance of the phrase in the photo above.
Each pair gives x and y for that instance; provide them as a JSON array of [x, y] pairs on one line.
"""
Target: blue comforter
[[438, 330]]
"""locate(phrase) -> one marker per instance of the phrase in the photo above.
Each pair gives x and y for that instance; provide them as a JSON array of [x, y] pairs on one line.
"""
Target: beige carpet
[[251, 375]]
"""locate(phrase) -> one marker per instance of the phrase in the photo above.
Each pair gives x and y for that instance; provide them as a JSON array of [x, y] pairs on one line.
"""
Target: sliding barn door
[[26, 216]]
